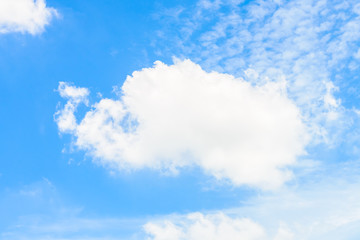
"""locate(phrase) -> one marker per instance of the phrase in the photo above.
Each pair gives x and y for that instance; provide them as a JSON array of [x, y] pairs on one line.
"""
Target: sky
[[174, 120]]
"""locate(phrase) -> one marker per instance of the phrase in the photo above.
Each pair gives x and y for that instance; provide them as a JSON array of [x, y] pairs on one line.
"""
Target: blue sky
[[205, 119]]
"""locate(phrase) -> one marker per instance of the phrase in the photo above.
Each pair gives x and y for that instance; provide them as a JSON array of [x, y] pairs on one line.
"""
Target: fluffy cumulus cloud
[[25, 16], [198, 226], [173, 116]]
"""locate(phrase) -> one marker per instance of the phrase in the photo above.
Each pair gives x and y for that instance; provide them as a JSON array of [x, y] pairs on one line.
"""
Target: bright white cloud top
[[25, 16], [173, 116]]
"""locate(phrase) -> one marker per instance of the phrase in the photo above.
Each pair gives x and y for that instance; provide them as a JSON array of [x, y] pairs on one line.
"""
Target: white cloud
[[22, 16], [306, 41], [323, 207], [65, 118], [180, 115], [197, 226]]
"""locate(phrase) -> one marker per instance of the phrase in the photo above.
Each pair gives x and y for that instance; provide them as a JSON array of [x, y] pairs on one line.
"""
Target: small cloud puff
[[65, 118]]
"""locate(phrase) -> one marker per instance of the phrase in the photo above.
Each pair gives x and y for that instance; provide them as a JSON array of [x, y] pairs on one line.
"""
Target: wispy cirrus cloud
[[25, 16], [38, 211], [312, 44]]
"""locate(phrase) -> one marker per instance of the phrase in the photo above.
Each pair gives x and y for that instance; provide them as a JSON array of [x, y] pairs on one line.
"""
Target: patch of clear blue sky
[[95, 44]]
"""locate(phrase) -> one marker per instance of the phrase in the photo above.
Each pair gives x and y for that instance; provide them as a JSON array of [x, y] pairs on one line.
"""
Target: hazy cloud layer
[[25, 16], [179, 115], [38, 211], [328, 208], [197, 226]]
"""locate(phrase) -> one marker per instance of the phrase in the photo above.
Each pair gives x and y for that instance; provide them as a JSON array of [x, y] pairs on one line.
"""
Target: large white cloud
[[180, 115], [29, 16]]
